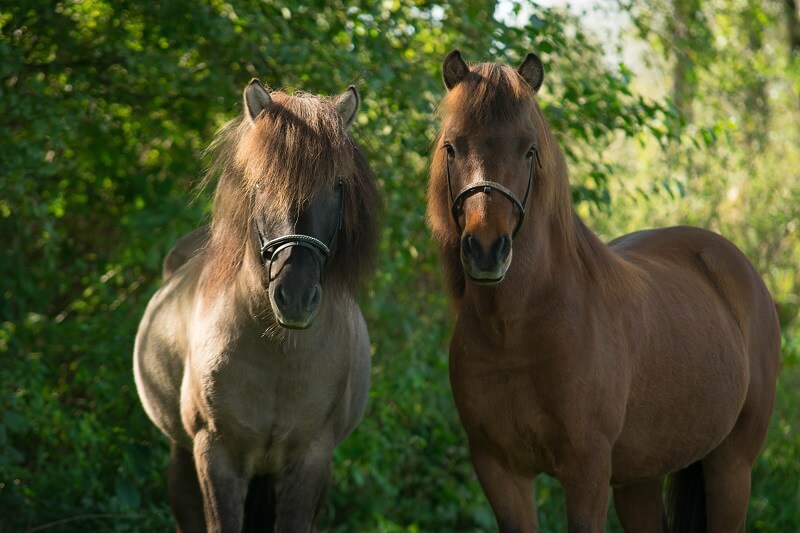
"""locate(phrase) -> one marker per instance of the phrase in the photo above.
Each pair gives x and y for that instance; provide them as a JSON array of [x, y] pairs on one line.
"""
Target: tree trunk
[[792, 27], [682, 76]]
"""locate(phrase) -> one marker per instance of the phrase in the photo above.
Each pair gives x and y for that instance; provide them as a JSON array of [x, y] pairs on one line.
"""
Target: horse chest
[[266, 398], [503, 412]]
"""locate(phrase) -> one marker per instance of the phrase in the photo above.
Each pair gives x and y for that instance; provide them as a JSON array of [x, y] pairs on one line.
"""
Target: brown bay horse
[[253, 357], [604, 366]]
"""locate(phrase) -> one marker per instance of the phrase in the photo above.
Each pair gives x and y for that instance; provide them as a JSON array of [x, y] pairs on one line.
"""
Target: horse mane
[[297, 146]]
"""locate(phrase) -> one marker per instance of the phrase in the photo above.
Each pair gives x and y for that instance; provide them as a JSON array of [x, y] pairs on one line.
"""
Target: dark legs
[[183, 491], [222, 483], [209, 492], [303, 489]]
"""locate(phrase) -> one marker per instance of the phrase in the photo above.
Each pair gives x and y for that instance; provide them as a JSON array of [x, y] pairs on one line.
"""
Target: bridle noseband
[[270, 249], [486, 187]]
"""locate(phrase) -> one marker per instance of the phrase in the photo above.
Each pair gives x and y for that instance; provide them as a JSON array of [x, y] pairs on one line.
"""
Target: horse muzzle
[[486, 258], [295, 307], [486, 263], [294, 280]]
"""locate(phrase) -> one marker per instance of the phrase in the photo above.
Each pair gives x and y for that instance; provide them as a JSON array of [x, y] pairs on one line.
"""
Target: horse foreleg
[[586, 478], [183, 491], [302, 490], [640, 507], [510, 495], [221, 482]]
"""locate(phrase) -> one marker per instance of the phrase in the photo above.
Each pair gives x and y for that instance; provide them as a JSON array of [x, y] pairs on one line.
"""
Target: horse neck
[[559, 263]]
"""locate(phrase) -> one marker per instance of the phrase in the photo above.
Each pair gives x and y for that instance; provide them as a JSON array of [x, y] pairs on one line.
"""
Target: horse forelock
[[490, 94], [297, 147]]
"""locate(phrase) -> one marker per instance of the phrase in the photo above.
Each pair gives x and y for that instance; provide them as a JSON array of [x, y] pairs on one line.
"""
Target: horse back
[[186, 248], [696, 254]]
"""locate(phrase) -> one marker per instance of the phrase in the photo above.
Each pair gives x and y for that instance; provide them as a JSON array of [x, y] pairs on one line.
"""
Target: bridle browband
[[486, 187], [270, 249]]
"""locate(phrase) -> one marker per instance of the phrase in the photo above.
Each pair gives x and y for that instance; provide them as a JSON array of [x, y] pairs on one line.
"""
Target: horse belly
[[680, 410]]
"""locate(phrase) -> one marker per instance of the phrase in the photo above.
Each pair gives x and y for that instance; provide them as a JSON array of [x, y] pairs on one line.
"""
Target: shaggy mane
[[297, 146]]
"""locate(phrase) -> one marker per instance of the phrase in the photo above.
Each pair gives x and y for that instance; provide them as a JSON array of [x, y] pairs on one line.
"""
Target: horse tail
[[686, 500], [259, 505]]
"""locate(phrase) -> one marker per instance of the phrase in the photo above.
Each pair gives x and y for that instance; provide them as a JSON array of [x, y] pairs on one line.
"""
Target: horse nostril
[[467, 244], [313, 297], [501, 248], [280, 296]]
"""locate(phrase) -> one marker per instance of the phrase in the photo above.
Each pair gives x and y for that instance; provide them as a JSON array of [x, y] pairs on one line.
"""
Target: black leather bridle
[[487, 187], [271, 248]]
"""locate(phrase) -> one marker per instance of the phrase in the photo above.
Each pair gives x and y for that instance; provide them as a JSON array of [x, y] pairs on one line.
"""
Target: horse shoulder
[[160, 351], [352, 362], [517, 399]]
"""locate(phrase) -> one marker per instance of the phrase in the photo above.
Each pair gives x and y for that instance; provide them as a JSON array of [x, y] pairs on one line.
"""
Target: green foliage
[[105, 109], [775, 480]]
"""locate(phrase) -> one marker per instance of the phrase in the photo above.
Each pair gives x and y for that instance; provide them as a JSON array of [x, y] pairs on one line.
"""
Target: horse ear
[[532, 71], [347, 104], [256, 99], [454, 69]]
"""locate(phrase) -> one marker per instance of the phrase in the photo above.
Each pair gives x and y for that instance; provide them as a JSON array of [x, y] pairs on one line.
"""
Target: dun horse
[[253, 357], [600, 365]]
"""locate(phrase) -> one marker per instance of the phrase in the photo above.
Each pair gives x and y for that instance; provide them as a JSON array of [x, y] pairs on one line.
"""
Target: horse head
[[490, 156], [298, 196]]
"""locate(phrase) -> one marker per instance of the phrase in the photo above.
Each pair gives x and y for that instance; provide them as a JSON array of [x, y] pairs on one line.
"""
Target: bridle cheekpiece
[[486, 187], [270, 249]]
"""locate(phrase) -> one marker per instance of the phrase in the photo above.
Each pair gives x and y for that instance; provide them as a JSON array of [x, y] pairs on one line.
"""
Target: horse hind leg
[[727, 469], [640, 507], [183, 491], [723, 477], [727, 472]]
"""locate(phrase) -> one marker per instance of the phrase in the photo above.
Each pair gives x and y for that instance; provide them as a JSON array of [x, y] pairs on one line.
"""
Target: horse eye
[[451, 153], [529, 155]]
